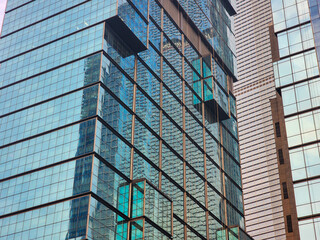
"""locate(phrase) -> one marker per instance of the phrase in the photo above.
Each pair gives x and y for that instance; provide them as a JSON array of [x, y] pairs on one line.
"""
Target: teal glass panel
[[198, 90], [221, 234], [233, 234], [104, 224], [137, 230], [123, 198], [208, 89], [206, 67], [110, 186], [215, 229], [138, 191]]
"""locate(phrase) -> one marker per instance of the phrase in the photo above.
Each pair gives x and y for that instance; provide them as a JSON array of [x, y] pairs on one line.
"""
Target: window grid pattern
[[300, 102], [148, 115]]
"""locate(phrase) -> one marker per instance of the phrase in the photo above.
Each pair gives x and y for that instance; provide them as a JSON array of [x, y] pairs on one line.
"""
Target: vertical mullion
[[161, 100], [132, 149]]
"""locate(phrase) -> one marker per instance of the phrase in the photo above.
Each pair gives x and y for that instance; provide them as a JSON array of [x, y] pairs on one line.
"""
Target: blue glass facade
[[116, 123]]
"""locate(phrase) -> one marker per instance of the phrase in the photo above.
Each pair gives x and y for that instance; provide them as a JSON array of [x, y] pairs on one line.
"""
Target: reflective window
[[288, 13], [307, 197], [295, 40], [57, 221], [47, 149], [303, 128], [296, 68], [301, 96], [305, 162]]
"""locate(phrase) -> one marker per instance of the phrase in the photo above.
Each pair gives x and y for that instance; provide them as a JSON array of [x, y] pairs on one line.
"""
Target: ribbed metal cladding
[[261, 185]]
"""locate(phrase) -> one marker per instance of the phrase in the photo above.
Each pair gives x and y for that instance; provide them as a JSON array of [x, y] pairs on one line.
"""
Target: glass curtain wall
[[114, 126]]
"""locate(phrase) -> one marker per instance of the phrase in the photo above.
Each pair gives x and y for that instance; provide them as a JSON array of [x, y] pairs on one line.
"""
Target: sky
[[2, 7]]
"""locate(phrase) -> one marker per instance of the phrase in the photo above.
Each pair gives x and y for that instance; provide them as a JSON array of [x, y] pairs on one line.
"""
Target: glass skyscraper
[[118, 121]]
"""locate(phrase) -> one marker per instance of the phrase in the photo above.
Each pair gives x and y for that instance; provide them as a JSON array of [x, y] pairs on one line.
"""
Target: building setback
[[118, 121]]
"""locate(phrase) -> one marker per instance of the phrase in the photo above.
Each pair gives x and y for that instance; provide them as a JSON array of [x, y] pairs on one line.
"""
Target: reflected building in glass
[[289, 33], [118, 121]]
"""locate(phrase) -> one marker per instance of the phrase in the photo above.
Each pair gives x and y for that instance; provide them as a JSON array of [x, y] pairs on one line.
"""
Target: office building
[[255, 88], [296, 70], [117, 121], [280, 165]]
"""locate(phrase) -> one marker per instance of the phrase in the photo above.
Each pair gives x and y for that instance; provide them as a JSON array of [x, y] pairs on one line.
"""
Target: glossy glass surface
[[149, 120], [62, 220], [309, 229], [104, 223], [296, 68], [132, 19], [307, 197], [301, 96], [49, 115], [315, 21], [216, 25], [46, 185], [303, 128], [112, 148], [110, 186], [33, 12], [288, 13], [52, 55], [55, 27], [47, 149], [295, 40], [51, 84]]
